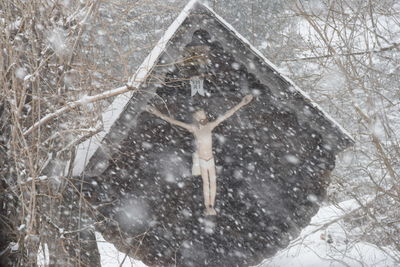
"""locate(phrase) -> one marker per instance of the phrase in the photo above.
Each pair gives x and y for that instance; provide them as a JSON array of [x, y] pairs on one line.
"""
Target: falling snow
[[196, 150]]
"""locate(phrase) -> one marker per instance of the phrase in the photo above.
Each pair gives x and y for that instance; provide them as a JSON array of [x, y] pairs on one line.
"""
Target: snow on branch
[[72, 105]]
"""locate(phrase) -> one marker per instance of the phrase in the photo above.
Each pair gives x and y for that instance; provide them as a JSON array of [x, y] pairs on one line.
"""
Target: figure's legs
[[209, 190], [206, 187], [213, 185]]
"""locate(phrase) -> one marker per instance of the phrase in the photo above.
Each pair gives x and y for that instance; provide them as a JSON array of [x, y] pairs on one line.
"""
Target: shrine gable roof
[[193, 17]]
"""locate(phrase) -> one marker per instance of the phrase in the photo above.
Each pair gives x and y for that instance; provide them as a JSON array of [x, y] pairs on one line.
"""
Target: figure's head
[[200, 117]]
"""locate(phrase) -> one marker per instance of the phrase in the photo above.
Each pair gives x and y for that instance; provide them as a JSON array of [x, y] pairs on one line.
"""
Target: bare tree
[[352, 49], [41, 45], [58, 59]]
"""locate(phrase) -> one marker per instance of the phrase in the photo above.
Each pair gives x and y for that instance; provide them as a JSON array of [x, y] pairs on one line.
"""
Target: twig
[[71, 105], [394, 46]]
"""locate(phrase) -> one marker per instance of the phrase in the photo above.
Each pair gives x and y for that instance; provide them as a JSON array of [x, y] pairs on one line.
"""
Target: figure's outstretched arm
[[247, 99], [173, 121]]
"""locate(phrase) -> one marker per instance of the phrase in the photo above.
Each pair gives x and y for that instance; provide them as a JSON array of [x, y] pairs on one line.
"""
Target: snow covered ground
[[111, 257], [324, 243]]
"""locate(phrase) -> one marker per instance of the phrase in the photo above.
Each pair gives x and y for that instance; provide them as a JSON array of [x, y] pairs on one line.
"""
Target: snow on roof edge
[[87, 149], [275, 68]]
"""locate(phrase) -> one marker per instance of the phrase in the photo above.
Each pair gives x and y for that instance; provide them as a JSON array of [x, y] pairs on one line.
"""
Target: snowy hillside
[[325, 243]]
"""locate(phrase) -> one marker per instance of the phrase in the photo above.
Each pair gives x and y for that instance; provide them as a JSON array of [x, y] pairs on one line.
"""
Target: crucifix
[[203, 159]]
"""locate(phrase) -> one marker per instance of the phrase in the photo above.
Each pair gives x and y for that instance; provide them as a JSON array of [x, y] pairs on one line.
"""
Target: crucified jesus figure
[[203, 160]]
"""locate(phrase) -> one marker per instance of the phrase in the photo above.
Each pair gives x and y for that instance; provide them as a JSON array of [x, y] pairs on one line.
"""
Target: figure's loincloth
[[209, 163], [199, 163]]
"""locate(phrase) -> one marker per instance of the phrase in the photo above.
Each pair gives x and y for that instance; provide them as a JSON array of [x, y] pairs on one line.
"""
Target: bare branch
[[394, 46], [72, 105]]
